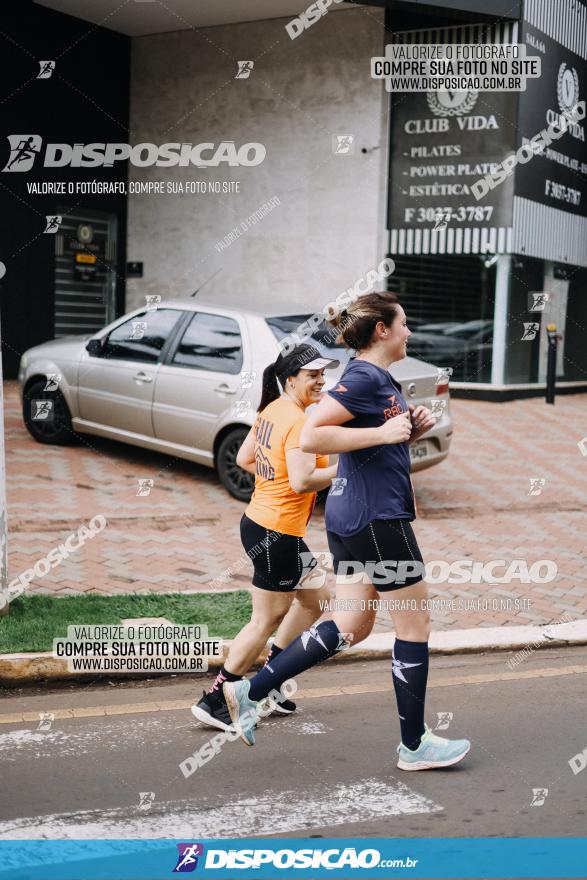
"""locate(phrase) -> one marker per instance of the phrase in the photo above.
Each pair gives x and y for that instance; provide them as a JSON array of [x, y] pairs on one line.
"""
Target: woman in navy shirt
[[369, 510]]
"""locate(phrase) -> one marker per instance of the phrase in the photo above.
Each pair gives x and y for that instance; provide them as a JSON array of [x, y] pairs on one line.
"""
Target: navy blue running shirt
[[371, 483]]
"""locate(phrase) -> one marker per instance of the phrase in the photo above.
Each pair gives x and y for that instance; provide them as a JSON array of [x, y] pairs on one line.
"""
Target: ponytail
[[270, 387], [357, 321]]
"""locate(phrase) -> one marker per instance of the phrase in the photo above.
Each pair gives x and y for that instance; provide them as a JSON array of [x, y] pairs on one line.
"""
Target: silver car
[[184, 378]]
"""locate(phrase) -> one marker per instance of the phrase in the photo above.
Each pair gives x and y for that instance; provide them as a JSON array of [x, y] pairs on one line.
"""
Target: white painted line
[[272, 812], [96, 733]]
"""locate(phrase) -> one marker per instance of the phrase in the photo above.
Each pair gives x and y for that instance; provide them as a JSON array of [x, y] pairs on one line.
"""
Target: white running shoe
[[433, 751]]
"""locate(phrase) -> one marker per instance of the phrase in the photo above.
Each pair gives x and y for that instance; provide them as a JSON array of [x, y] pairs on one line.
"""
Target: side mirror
[[94, 347]]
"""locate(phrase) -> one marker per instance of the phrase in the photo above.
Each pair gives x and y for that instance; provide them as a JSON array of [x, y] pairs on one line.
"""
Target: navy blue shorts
[[386, 550], [279, 560]]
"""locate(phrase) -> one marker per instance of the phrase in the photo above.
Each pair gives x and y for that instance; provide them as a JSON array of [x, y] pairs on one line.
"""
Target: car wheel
[[57, 427], [235, 480]]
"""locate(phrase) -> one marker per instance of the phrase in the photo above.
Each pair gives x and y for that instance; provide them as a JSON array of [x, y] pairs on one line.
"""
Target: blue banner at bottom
[[310, 858]]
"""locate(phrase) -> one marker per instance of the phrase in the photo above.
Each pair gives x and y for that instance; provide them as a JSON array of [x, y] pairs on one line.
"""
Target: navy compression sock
[[272, 653], [314, 645], [410, 675]]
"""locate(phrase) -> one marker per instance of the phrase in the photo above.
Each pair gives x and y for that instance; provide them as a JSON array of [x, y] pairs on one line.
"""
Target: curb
[[21, 669]]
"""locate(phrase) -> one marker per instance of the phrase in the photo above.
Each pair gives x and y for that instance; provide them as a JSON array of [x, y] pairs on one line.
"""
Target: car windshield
[[323, 337], [469, 329]]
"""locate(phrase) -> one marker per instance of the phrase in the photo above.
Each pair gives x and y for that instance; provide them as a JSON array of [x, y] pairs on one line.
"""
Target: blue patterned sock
[[410, 675], [314, 645]]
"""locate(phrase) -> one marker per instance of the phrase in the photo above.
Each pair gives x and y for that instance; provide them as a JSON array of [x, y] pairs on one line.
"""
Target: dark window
[[448, 301], [323, 337], [142, 337], [211, 342]]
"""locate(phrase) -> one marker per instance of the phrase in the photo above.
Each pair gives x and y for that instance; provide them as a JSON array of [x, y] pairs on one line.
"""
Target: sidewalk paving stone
[[185, 533]]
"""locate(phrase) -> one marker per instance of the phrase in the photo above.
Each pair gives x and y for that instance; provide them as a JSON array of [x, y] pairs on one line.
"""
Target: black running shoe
[[213, 711], [283, 707]]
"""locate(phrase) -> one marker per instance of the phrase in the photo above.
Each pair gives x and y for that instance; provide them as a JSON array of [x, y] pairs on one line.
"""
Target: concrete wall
[[328, 229]]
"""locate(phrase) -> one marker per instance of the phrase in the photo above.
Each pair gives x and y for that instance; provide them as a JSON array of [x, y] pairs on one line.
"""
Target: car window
[[323, 337], [211, 342], [142, 337]]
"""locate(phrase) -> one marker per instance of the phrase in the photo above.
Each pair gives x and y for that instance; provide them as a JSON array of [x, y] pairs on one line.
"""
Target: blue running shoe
[[244, 712], [433, 751]]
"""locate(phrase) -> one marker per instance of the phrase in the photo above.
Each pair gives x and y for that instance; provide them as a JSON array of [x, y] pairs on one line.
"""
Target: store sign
[[556, 175], [84, 266], [442, 142]]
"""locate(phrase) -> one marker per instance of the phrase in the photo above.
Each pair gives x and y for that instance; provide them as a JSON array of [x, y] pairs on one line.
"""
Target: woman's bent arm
[[246, 455], [324, 431], [302, 473]]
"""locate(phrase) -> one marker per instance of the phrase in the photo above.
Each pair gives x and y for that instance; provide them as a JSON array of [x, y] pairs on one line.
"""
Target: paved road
[[330, 771]]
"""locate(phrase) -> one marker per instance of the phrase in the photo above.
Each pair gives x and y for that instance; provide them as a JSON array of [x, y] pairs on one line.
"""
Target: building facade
[[352, 174]]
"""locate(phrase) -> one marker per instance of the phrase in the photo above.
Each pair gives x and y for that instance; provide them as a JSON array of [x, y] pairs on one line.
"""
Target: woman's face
[[307, 386], [395, 337]]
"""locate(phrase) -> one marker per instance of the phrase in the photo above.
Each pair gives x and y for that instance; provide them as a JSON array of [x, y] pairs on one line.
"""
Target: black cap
[[302, 357]]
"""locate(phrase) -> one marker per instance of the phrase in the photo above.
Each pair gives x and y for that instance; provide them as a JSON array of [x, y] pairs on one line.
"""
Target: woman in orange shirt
[[274, 524]]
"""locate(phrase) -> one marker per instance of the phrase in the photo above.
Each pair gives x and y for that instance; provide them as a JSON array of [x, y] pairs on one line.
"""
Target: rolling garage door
[[85, 277]]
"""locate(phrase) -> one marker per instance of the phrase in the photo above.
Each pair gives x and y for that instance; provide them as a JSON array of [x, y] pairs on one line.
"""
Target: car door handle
[[142, 377], [223, 388]]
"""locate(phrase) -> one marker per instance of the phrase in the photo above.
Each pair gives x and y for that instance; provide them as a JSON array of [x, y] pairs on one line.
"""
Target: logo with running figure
[[437, 407], [244, 69], [53, 380], [53, 222], [313, 574], [146, 799], [241, 408], [343, 144], [247, 378], [46, 719], [537, 300], [145, 486], [444, 719], [531, 328], [443, 375], [537, 484], [24, 149], [338, 486], [188, 857], [441, 221], [152, 301], [46, 69], [42, 410]]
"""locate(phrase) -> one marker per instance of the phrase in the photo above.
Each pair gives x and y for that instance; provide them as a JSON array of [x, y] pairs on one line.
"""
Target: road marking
[[317, 806], [304, 694]]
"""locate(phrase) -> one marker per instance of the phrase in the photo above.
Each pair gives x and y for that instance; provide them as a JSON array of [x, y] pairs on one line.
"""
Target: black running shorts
[[386, 550], [279, 560]]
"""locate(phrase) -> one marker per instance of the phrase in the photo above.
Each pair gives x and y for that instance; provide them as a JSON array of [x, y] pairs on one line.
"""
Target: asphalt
[[329, 770]]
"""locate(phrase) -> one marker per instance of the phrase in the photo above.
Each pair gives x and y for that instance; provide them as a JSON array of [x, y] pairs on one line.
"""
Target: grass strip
[[34, 621]]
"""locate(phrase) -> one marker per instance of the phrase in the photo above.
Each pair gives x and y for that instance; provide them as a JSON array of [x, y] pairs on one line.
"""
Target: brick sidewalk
[[475, 505]]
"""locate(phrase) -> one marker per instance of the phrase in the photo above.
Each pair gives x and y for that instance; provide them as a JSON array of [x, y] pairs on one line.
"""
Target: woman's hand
[[422, 421], [398, 429]]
